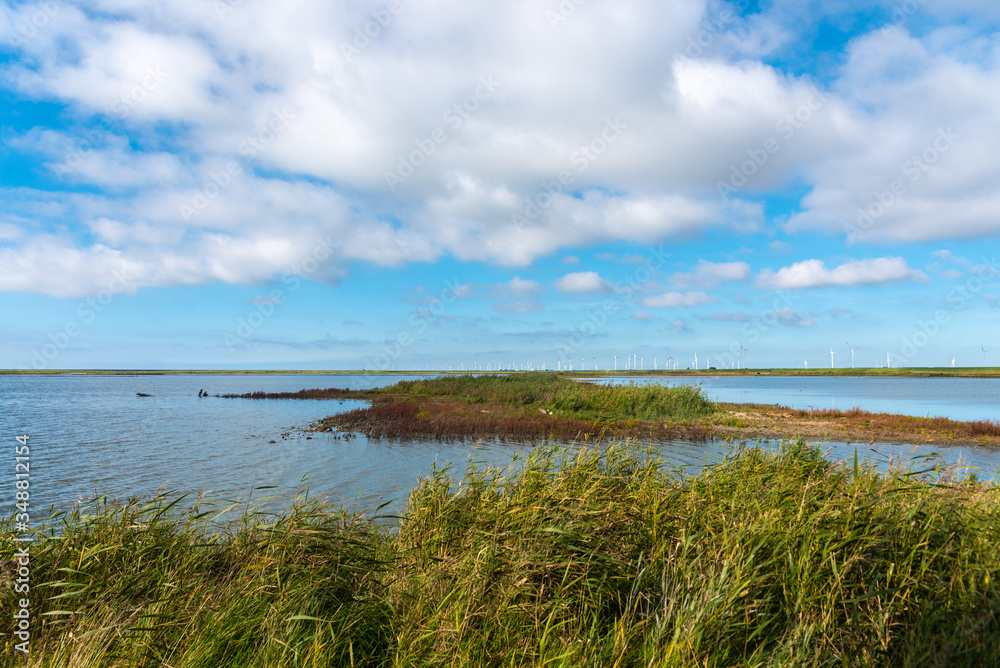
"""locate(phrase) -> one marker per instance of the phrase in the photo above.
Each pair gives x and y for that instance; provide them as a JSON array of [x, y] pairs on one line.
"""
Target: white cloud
[[641, 315], [789, 316], [521, 287], [182, 89], [947, 256], [726, 316], [708, 275], [680, 326], [814, 273], [676, 299], [522, 306], [582, 281], [918, 160]]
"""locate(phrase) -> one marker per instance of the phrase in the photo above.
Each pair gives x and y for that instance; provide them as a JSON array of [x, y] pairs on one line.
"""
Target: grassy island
[[595, 556], [541, 405]]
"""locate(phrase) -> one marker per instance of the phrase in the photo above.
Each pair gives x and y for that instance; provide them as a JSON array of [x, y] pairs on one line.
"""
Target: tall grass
[[554, 391], [587, 557], [142, 584]]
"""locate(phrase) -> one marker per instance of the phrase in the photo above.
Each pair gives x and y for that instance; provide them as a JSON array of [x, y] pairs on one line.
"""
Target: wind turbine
[[669, 358], [831, 357], [852, 353], [595, 363], [616, 362], [984, 355], [743, 354], [888, 362], [696, 361], [654, 364], [952, 362]]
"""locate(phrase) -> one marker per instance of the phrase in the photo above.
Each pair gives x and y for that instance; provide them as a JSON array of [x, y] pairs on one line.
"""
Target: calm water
[[93, 434], [955, 398]]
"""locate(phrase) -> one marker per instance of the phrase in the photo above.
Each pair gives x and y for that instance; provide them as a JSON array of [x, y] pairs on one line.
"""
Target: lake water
[[956, 398], [92, 434]]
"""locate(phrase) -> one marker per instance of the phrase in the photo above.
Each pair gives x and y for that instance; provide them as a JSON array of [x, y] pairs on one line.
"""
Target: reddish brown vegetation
[[395, 415], [456, 419], [749, 420]]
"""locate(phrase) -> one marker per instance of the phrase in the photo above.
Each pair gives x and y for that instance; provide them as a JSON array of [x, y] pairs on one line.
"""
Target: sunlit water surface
[[92, 434]]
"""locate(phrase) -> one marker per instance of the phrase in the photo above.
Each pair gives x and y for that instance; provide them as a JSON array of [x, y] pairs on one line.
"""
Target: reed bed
[[574, 557]]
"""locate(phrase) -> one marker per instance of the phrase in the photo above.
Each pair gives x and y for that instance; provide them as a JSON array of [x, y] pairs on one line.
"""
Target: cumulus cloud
[[726, 316], [185, 102], [518, 287], [641, 315], [933, 177], [677, 299], [708, 275], [522, 306], [582, 281], [680, 326], [789, 316], [814, 273], [169, 105], [947, 256]]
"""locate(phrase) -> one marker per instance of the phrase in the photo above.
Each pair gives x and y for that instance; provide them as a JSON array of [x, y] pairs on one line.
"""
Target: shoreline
[[906, 372]]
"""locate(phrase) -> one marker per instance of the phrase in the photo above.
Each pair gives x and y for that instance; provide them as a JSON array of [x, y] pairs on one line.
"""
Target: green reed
[[573, 557]]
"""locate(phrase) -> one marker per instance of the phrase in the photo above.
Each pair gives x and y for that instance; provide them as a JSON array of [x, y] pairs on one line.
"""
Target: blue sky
[[345, 185]]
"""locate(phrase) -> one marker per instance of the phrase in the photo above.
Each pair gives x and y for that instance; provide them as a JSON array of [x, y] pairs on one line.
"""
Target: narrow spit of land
[[907, 372], [541, 405]]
